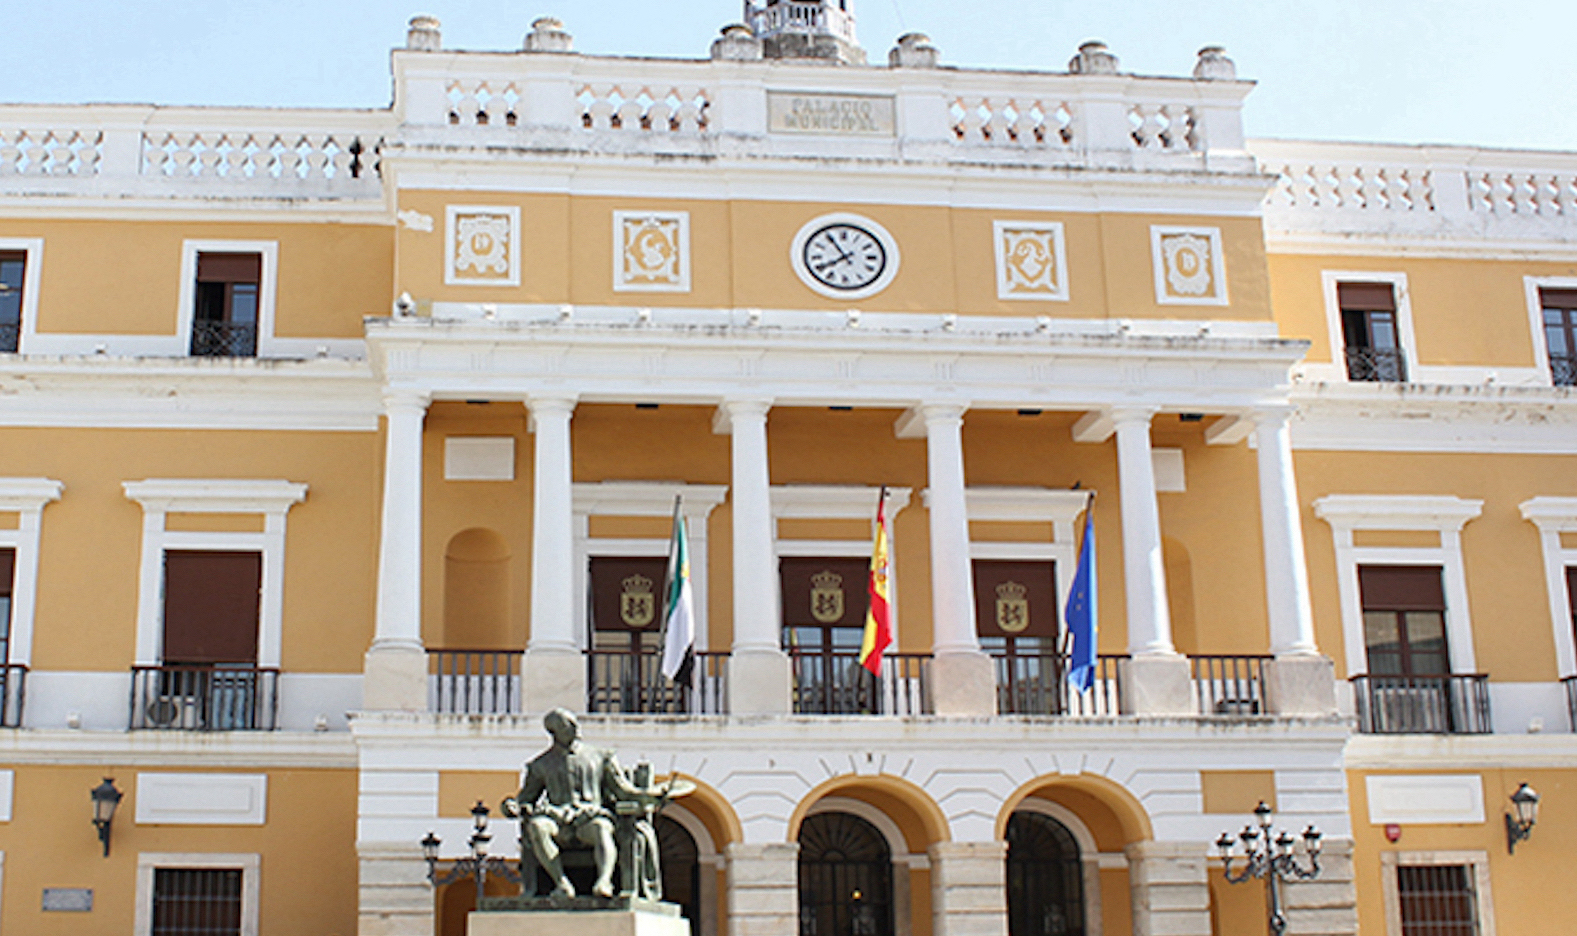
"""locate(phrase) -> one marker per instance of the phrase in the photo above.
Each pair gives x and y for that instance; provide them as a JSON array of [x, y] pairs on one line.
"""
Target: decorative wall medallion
[[1031, 260], [1012, 607], [1189, 267], [637, 603], [414, 220], [826, 596], [844, 256], [482, 246], [651, 251]]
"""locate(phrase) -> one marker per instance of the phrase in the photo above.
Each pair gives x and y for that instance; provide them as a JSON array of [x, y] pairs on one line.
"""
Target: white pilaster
[[759, 681], [969, 889], [555, 672], [963, 681], [1170, 888], [763, 888], [395, 671]]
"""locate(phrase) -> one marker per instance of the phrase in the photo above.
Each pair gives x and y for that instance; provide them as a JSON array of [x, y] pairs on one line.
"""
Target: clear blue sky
[[1460, 71]]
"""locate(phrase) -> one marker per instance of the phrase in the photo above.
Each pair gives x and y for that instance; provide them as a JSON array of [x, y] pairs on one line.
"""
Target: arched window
[[845, 877], [681, 870], [1045, 878]]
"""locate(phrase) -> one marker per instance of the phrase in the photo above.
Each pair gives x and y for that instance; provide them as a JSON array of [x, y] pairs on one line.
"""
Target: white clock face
[[845, 256]]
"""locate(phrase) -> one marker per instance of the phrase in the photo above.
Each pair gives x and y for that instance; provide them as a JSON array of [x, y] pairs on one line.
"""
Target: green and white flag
[[679, 607]]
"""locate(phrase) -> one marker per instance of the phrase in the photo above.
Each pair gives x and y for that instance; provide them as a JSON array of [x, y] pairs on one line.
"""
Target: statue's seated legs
[[547, 839]]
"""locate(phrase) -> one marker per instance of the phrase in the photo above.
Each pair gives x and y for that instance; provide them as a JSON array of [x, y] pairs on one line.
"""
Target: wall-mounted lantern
[[1518, 827], [105, 799]]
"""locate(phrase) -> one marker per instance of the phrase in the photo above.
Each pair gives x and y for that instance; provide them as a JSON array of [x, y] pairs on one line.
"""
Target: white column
[[759, 680], [395, 671], [555, 671], [963, 681], [1156, 678], [1144, 570]]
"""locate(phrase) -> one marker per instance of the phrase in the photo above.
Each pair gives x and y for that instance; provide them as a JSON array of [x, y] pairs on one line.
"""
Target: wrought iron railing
[[1563, 368], [1570, 682], [223, 339], [1038, 685], [1455, 704], [205, 697], [1376, 365], [473, 682], [1229, 685], [10, 335], [626, 682], [836, 684], [13, 693]]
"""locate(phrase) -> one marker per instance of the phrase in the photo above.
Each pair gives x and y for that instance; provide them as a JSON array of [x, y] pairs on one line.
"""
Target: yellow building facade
[[336, 447]]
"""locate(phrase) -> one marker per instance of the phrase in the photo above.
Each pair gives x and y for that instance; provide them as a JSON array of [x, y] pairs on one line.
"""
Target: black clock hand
[[842, 256]]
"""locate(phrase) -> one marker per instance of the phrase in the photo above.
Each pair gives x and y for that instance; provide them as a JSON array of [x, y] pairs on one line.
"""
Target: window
[[1560, 334], [824, 605], [845, 877], [13, 270], [210, 607], [1371, 336], [7, 574], [197, 894], [1045, 878], [626, 618], [1404, 620], [1437, 894], [1016, 618], [226, 304]]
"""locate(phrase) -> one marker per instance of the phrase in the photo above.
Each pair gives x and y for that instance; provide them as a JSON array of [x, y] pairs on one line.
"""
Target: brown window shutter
[[210, 606], [1366, 297], [7, 571], [1015, 599], [229, 268], [1558, 298], [1401, 588], [1571, 589], [803, 575], [617, 586]]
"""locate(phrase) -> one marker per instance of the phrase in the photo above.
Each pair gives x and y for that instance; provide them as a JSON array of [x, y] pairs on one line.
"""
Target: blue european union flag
[[1080, 617]]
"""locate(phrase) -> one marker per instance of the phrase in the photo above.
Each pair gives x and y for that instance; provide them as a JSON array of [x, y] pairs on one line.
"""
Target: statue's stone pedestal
[[581, 916]]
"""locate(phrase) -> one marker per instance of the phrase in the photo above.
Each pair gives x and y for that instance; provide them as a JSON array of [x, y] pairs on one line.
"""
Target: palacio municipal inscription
[[835, 114]]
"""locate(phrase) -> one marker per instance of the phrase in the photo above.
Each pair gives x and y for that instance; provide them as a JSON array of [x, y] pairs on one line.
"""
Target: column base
[[1170, 887], [1301, 685], [553, 679], [394, 678], [964, 684], [763, 889], [969, 889], [394, 898], [760, 682], [1157, 684]]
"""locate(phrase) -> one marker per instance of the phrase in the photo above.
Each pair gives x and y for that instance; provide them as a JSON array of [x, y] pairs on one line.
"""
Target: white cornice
[[1387, 417], [834, 501], [1556, 750], [1396, 511], [1558, 514], [28, 494], [218, 749], [215, 495], [1022, 504], [645, 498]]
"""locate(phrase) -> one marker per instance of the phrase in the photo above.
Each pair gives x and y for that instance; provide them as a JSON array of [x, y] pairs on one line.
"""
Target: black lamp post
[[1271, 859], [1526, 803], [105, 799], [479, 865]]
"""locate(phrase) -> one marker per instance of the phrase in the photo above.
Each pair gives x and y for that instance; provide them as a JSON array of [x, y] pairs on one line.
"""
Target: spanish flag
[[879, 617]]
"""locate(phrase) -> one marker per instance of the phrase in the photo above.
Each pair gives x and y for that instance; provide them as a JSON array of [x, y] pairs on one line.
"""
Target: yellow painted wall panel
[[10, 520], [458, 791], [1237, 791], [807, 528], [1399, 539], [630, 527], [1130, 278], [994, 531], [214, 523]]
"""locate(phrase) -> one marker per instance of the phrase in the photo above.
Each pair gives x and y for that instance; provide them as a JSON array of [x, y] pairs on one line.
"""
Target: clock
[[845, 256]]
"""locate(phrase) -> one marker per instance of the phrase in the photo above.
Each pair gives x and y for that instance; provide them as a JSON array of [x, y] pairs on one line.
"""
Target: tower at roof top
[[821, 30]]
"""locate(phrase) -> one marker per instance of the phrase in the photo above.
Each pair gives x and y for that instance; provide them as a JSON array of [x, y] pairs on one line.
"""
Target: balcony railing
[[1563, 367], [1570, 682], [10, 334], [1376, 365], [224, 339], [13, 693], [836, 684], [474, 682], [1229, 685], [1038, 685], [625, 682], [203, 697], [1457, 704]]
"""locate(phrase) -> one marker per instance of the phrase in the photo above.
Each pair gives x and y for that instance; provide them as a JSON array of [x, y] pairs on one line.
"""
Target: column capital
[[551, 404], [1273, 416], [1128, 415], [915, 421], [740, 407], [396, 398], [934, 413]]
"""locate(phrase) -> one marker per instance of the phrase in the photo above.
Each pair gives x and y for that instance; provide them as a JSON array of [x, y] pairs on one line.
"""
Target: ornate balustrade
[[13, 694], [1038, 685], [1229, 685], [204, 697], [834, 683], [622, 682], [1570, 682], [474, 682], [1454, 704]]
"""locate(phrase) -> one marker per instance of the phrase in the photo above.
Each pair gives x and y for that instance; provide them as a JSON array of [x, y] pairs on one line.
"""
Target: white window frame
[[1541, 349], [1554, 516], [1477, 860], [33, 266], [267, 287], [160, 497], [1336, 371], [643, 499], [250, 865], [1060, 508], [1443, 515], [837, 502], [26, 497]]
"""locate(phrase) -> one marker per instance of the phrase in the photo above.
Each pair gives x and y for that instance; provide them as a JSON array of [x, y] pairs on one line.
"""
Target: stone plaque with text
[[68, 899], [832, 114]]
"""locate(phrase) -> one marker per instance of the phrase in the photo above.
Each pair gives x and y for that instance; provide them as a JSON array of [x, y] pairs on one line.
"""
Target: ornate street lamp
[[479, 865], [1526, 803], [105, 799], [1271, 859]]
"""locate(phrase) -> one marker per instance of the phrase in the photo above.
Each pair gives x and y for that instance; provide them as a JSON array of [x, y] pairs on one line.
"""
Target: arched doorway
[[1045, 878], [845, 877], [681, 866]]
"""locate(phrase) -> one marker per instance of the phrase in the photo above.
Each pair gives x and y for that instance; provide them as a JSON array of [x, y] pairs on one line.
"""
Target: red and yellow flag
[[878, 618]]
